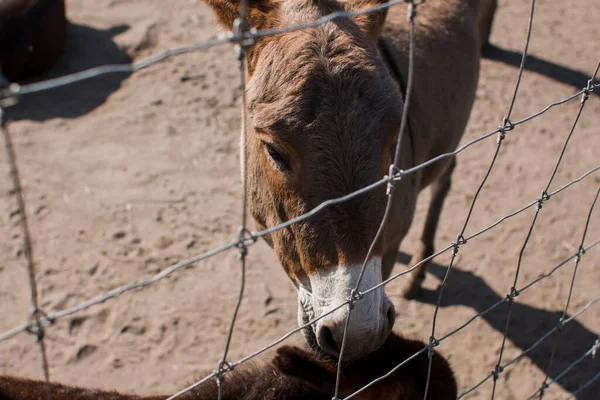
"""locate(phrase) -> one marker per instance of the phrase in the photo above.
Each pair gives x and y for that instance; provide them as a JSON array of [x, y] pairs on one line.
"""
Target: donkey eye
[[276, 157]]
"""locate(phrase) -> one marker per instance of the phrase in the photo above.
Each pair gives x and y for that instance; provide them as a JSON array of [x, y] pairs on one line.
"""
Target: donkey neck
[[391, 61]]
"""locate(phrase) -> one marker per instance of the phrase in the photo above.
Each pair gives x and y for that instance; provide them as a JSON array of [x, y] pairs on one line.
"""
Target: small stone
[[119, 235], [92, 271]]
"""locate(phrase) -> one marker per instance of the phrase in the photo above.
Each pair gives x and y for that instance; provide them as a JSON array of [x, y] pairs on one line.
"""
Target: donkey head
[[323, 119]]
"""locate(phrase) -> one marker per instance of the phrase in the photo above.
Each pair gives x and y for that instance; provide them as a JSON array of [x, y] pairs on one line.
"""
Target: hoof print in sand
[[85, 352]]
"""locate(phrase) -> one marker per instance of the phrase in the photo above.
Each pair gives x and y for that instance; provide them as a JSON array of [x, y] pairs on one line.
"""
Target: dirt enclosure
[[125, 175]]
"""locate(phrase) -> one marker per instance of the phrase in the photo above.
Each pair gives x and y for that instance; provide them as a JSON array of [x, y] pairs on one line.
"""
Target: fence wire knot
[[433, 343], [587, 90], [355, 295], [512, 295], [541, 200], [37, 320], [585, 95], [222, 369], [394, 174], [497, 371], [579, 254], [239, 28], [595, 348], [460, 240], [507, 126], [245, 239], [590, 85]]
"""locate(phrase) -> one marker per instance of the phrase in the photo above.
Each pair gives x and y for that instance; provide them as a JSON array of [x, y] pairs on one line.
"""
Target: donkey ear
[[371, 23], [227, 11]]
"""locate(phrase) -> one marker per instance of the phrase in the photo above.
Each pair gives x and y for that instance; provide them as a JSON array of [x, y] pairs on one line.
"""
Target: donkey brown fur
[[324, 106], [32, 36], [293, 373]]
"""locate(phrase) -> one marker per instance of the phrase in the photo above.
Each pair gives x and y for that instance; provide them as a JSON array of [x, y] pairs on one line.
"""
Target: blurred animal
[[293, 374], [32, 37]]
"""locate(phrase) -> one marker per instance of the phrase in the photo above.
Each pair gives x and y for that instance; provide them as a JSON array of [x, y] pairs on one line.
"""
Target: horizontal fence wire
[[405, 272], [249, 238], [246, 38], [242, 37]]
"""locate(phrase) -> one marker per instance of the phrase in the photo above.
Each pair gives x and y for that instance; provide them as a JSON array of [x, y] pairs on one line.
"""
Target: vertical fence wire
[[238, 31], [394, 173], [507, 125], [37, 328], [544, 197]]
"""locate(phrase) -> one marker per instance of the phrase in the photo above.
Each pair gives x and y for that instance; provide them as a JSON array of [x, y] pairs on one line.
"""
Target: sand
[[125, 175]]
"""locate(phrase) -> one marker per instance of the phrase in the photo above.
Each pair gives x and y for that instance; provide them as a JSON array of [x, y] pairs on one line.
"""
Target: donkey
[[293, 374], [324, 107], [32, 36]]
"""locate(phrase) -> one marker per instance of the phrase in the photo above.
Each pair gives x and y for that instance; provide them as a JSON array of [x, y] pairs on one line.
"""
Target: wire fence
[[38, 320]]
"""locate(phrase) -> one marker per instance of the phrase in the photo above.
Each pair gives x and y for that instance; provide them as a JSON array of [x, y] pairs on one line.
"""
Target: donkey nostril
[[327, 342]]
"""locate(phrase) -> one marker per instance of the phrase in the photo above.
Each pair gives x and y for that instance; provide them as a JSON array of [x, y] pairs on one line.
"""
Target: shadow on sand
[[559, 73], [527, 325], [86, 48]]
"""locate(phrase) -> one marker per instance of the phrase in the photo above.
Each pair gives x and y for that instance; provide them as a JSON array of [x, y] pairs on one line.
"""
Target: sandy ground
[[125, 175]]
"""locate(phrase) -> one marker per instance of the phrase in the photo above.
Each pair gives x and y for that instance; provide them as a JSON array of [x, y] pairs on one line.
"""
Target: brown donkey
[[293, 374], [324, 107]]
